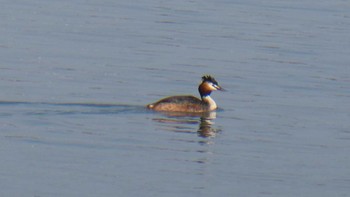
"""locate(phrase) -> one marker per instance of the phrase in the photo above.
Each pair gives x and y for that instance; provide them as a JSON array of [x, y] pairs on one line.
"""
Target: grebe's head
[[208, 85]]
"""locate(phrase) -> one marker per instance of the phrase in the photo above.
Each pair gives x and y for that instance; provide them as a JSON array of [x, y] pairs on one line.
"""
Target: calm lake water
[[75, 77]]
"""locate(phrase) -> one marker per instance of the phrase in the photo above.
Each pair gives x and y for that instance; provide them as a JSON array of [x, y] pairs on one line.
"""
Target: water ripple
[[52, 108]]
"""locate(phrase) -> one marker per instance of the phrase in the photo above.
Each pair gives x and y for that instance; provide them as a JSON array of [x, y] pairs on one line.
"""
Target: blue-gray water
[[75, 77]]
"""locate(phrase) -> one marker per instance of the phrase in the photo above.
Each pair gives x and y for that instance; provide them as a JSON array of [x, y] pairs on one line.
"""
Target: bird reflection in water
[[181, 122]]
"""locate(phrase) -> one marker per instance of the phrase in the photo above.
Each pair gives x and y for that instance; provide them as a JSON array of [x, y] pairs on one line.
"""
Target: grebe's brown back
[[190, 103]]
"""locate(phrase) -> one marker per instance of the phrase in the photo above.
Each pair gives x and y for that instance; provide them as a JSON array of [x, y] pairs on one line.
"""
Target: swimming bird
[[188, 103]]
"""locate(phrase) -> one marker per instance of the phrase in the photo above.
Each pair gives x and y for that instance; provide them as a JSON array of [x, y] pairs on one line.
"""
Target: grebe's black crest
[[209, 78]]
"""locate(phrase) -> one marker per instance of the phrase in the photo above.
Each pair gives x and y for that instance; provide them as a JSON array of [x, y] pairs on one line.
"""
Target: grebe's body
[[190, 103]]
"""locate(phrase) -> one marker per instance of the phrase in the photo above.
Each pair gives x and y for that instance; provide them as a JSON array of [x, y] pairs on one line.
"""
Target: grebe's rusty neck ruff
[[190, 103]]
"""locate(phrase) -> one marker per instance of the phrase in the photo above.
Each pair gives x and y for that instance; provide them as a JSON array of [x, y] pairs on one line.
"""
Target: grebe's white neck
[[211, 103]]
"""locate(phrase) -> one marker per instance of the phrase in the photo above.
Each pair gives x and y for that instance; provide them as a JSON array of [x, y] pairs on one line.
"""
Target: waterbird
[[188, 103]]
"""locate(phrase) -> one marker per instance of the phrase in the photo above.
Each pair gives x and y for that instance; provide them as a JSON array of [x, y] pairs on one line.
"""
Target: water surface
[[75, 77]]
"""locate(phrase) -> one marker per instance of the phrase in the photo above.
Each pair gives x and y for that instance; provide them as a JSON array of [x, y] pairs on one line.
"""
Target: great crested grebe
[[190, 103]]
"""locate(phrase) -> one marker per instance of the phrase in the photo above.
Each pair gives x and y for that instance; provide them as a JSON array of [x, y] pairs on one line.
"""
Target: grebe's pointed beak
[[217, 87], [222, 89]]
